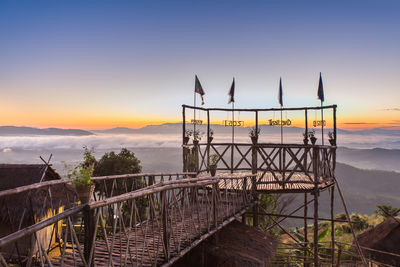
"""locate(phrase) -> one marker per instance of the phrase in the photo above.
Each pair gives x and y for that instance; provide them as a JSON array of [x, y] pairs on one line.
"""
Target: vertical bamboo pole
[[233, 134], [281, 128], [256, 121], [305, 230], [306, 122], [322, 122], [316, 227], [315, 168], [184, 150], [332, 226], [164, 216], [89, 220], [254, 170], [208, 138]]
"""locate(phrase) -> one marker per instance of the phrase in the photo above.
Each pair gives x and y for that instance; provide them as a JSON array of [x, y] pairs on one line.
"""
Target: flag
[[199, 89], [280, 93], [321, 89], [232, 92]]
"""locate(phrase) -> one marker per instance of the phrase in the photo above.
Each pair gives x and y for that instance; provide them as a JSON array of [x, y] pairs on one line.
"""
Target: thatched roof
[[16, 175], [35, 202], [237, 245], [384, 237]]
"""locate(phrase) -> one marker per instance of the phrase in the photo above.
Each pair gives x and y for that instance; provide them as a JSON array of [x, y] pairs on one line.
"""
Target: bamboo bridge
[[153, 219]]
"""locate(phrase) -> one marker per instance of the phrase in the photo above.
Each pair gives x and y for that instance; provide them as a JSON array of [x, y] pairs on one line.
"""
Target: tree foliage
[[125, 162], [387, 211]]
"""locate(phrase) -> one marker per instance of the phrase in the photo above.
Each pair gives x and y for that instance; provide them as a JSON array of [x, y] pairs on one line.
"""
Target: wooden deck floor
[[298, 183], [143, 245]]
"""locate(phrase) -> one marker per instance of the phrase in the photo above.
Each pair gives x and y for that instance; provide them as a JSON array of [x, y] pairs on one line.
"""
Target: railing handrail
[[163, 186], [266, 145], [156, 188], [25, 188], [40, 225], [121, 176]]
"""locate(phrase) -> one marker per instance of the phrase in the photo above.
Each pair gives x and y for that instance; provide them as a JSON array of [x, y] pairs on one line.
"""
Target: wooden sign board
[[233, 123], [196, 122], [287, 122], [319, 123]]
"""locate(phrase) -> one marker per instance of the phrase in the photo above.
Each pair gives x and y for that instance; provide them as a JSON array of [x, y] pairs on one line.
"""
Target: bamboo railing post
[[305, 261], [88, 220], [254, 182], [164, 217], [214, 204], [208, 138], [315, 169], [196, 155], [184, 150], [334, 125], [332, 226]]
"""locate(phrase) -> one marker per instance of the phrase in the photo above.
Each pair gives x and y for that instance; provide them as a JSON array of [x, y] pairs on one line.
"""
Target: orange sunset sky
[[102, 64]]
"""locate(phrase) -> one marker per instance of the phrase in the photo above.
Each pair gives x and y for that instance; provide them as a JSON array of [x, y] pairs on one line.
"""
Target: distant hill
[[15, 130], [376, 158], [219, 128]]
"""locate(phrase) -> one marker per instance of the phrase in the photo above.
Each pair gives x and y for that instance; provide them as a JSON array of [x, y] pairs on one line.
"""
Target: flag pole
[[233, 123], [322, 122], [281, 127], [194, 113]]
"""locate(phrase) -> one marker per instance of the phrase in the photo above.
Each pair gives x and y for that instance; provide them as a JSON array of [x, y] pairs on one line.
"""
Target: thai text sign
[[233, 123], [197, 122], [279, 122], [319, 123]]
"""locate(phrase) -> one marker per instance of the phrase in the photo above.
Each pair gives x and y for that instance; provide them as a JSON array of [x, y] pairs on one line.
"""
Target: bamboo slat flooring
[[143, 245], [298, 183]]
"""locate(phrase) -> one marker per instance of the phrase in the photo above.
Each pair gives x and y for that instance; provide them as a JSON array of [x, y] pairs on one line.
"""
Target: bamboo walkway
[[142, 245]]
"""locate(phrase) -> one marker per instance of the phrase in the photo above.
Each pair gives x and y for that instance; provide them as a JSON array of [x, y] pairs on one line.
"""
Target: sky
[[101, 64]]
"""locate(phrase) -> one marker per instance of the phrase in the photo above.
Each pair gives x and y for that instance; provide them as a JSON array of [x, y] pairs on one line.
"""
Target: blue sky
[[98, 64]]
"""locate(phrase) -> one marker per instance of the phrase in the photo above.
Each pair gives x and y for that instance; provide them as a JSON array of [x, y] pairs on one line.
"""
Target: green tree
[[111, 163], [387, 211]]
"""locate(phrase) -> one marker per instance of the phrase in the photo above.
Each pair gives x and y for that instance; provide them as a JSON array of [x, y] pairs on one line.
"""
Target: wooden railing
[[282, 161], [152, 225]]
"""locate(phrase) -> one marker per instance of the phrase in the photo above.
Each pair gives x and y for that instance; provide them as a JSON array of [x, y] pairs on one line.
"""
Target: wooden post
[[214, 205], [254, 182], [305, 260], [208, 138], [306, 126], [334, 124], [315, 168], [184, 150], [316, 227], [256, 121], [332, 226], [88, 220], [164, 216], [196, 155]]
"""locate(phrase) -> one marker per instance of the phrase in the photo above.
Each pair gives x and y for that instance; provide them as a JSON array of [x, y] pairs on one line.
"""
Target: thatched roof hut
[[383, 237], [34, 203]]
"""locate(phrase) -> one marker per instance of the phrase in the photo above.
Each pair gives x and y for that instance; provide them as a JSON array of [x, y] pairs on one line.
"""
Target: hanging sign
[[287, 122], [233, 123], [196, 122], [319, 123]]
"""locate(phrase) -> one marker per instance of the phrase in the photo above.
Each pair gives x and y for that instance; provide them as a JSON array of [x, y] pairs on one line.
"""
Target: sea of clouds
[[113, 141]]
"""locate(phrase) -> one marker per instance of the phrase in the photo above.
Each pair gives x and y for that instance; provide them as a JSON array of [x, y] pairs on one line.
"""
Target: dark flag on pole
[[321, 89], [232, 92], [199, 89], [280, 92]]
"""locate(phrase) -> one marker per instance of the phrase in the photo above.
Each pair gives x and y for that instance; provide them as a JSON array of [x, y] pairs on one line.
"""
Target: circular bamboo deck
[[268, 183]]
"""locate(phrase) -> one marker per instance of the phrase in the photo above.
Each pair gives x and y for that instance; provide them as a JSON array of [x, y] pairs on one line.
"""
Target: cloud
[[391, 109]]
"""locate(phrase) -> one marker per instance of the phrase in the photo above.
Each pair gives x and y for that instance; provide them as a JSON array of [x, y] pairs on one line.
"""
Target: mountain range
[[16, 130], [176, 128]]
